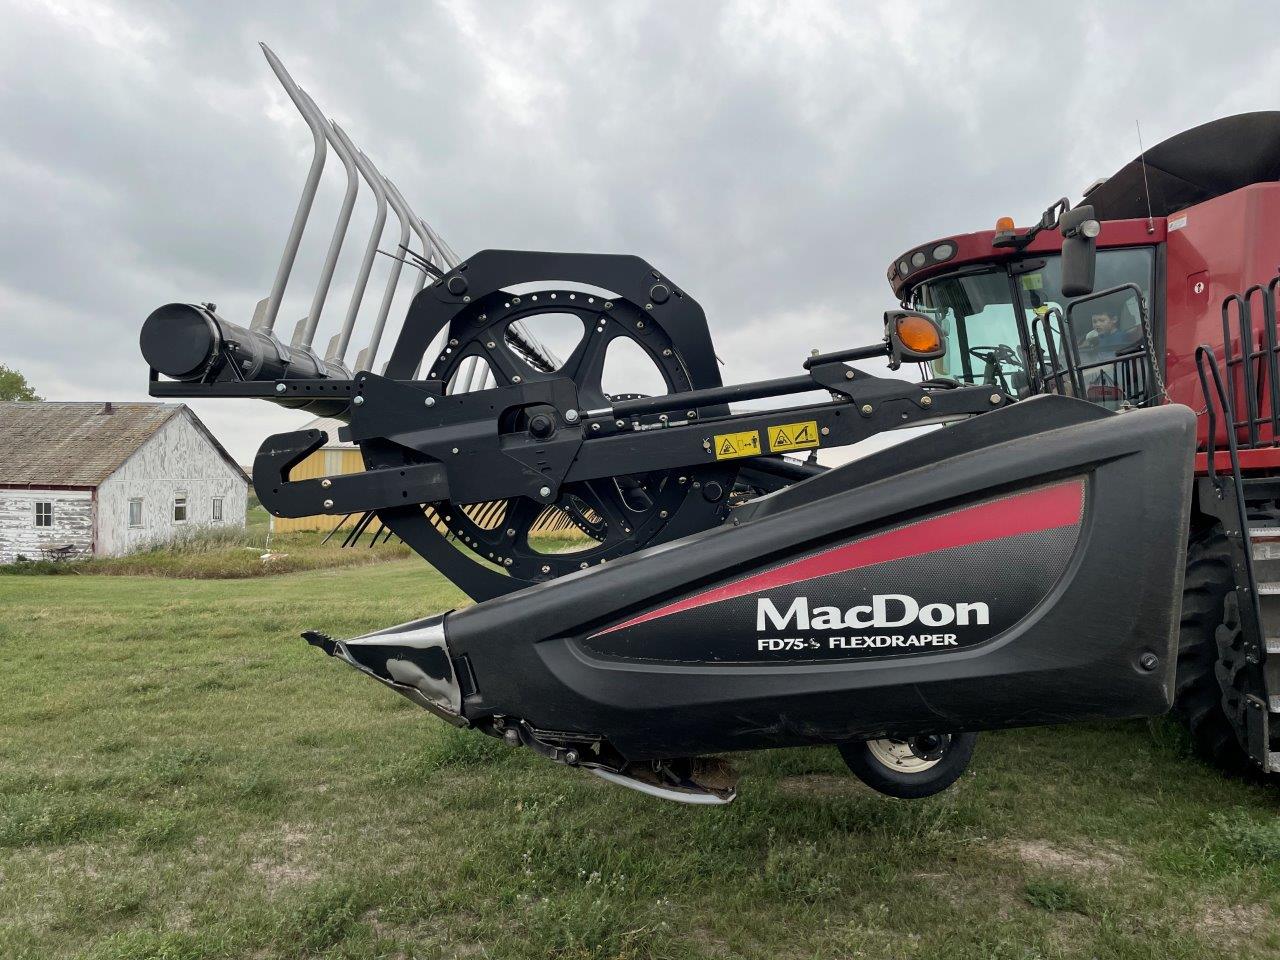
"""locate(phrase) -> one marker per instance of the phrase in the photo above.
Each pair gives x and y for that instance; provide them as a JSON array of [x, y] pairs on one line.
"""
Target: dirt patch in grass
[[293, 862], [1231, 924], [821, 785], [1038, 853]]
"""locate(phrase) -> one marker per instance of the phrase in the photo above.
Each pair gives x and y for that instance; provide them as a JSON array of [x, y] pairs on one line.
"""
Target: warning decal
[[793, 436], [730, 445]]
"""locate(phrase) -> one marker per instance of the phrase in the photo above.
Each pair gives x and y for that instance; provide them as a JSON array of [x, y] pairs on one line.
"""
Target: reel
[[493, 342]]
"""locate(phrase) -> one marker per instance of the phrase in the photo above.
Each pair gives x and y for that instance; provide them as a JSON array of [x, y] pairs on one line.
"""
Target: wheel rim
[[898, 755]]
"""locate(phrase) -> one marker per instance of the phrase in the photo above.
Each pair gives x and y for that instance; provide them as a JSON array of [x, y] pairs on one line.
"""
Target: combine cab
[[722, 595], [1161, 289]]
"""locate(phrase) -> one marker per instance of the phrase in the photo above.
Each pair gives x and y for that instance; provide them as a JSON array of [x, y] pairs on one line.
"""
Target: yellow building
[[336, 458]]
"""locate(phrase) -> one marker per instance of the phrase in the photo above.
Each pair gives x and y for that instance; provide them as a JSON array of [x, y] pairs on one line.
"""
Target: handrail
[[1270, 373], [1228, 411], [1228, 354]]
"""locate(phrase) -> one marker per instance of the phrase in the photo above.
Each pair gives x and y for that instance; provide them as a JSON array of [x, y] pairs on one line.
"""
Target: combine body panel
[[1217, 249], [1020, 567]]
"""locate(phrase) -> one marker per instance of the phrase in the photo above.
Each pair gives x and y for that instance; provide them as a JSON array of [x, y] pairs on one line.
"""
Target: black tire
[[1198, 702], [864, 759]]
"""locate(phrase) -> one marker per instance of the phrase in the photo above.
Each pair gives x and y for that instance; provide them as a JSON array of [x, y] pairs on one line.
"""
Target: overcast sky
[[771, 158]]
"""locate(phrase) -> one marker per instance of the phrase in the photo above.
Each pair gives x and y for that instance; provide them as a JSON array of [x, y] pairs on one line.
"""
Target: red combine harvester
[[1161, 288]]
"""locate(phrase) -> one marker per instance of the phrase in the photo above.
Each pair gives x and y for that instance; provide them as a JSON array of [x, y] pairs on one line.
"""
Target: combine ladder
[[1253, 534]]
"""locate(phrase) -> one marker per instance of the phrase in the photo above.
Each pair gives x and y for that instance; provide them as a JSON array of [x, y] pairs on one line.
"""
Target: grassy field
[[182, 777], [238, 553]]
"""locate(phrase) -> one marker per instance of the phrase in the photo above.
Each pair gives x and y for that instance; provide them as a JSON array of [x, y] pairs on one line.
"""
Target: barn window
[[44, 513], [180, 508], [135, 512], [216, 514]]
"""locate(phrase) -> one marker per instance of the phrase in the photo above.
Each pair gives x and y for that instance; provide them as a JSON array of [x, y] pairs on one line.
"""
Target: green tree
[[14, 386]]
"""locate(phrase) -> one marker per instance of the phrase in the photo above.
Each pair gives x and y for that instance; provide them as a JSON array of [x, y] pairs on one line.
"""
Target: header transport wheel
[[912, 768]]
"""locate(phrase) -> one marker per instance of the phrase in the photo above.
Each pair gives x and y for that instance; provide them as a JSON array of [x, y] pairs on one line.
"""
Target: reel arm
[[452, 447]]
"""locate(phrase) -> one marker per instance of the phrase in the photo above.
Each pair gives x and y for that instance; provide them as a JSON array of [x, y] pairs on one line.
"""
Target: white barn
[[101, 479]]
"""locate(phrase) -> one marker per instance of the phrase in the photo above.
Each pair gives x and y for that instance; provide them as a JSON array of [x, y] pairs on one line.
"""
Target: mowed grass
[[182, 777]]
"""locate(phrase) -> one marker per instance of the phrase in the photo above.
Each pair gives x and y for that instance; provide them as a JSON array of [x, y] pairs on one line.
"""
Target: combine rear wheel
[[912, 768]]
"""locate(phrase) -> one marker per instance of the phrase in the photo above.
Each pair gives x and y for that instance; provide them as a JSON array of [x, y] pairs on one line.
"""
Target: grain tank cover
[[1194, 166]]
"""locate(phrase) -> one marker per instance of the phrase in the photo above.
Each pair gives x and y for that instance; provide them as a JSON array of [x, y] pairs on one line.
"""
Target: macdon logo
[[885, 610]]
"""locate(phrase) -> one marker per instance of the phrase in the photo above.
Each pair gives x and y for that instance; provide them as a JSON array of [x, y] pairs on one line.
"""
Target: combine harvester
[[1022, 566]]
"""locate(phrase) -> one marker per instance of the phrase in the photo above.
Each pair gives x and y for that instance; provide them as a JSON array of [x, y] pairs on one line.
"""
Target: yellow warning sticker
[[730, 445], [793, 436]]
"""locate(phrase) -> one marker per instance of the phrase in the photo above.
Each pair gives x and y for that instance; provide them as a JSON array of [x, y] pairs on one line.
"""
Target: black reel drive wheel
[[491, 343], [910, 768]]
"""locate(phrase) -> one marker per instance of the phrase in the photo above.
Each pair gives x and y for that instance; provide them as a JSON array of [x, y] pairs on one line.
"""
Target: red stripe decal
[[1045, 509]]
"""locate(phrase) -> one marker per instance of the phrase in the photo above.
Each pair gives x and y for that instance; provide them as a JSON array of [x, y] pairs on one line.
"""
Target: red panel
[[1047, 508]]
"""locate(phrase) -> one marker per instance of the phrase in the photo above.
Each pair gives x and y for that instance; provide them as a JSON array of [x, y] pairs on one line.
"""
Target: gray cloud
[[772, 158]]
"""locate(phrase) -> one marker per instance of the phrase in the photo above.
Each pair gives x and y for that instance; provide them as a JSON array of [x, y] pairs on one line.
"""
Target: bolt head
[[595, 426], [281, 388], [826, 431], [1148, 661], [848, 374], [571, 416], [546, 568], [326, 483], [926, 401], [995, 398], [328, 504], [358, 401], [544, 492], [455, 449], [867, 408], [506, 562], [429, 402], [619, 423], [490, 344], [571, 757], [517, 379]]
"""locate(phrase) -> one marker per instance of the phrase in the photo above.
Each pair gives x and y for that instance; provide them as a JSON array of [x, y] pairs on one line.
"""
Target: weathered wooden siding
[[178, 459], [20, 537]]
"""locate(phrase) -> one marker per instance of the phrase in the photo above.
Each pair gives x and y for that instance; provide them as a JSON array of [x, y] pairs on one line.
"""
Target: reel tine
[[371, 248], [389, 292], [308, 190], [339, 229]]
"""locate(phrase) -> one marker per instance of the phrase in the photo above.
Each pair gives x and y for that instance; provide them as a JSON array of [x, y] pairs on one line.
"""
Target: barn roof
[[80, 444]]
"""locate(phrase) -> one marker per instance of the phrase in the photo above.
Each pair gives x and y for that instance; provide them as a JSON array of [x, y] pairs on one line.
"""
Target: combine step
[[1265, 541]]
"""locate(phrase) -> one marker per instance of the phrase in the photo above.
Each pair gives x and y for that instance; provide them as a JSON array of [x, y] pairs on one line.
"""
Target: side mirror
[[1079, 250], [913, 338]]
